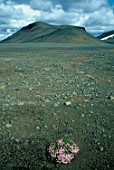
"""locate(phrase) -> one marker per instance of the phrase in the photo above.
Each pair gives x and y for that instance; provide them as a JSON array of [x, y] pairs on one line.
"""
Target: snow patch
[[109, 36]]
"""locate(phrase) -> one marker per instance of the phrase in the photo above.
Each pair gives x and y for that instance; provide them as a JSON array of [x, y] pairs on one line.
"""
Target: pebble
[[8, 125], [2, 86], [55, 114], [31, 88], [101, 148], [17, 140], [68, 103], [56, 104], [111, 97], [74, 93], [37, 127], [86, 100], [20, 103], [82, 115]]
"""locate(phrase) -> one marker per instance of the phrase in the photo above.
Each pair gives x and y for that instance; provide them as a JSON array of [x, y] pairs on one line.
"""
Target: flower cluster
[[63, 150]]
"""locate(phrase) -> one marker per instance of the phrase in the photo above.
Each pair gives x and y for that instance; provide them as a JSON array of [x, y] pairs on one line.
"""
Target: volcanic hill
[[43, 32]]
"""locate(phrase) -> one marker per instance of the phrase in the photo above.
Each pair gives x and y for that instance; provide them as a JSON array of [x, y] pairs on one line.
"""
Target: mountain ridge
[[43, 32]]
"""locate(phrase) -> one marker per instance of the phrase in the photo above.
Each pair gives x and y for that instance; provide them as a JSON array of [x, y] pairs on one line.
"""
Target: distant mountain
[[42, 32], [107, 36]]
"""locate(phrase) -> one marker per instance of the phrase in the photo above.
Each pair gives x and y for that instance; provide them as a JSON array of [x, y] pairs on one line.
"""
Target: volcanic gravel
[[52, 91]]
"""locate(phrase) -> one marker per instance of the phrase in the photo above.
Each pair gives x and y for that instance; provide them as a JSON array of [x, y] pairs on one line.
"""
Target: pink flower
[[67, 158], [64, 161], [63, 150], [50, 149], [60, 143], [74, 148], [59, 157]]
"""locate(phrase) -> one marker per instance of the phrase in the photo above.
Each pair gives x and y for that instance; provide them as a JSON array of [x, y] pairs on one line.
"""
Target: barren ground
[[36, 81]]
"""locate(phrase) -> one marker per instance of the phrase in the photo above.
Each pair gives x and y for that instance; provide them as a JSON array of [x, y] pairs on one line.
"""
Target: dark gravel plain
[[52, 91]]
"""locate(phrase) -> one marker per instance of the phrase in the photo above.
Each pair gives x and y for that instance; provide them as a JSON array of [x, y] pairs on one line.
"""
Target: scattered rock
[[56, 104], [2, 86], [17, 140], [110, 97], [20, 103], [53, 100], [31, 88], [8, 125], [68, 103], [101, 148], [38, 128], [82, 115], [55, 114], [86, 100]]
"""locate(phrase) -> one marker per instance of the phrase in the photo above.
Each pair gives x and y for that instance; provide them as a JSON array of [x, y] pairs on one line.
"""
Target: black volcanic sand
[[37, 81]]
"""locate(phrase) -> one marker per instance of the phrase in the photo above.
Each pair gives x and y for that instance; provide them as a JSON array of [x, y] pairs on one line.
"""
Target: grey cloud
[[86, 5], [22, 1], [59, 16], [9, 12], [48, 4], [14, 1], [68, 5], [43, 5]]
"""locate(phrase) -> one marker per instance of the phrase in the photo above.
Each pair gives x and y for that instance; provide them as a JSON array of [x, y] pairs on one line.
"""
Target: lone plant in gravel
[[63, 150]]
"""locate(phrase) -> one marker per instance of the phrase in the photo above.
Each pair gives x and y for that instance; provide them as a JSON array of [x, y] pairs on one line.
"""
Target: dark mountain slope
[[30, 32], [107, 37], [42, 32]]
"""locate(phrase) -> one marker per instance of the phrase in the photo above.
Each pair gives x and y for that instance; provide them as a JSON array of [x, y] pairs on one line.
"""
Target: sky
[[97, 16]]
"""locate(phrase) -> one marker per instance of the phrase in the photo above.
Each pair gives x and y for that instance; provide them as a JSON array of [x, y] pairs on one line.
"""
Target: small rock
[[56, 104], [74, 93], [20, 103], [111, 97], [17, 140], [101, 148], [37, 127], [2, 86], [47, 100], [68, 103], [46, 126], [86, 100], [55, 114], [31, 88], [8, 125]]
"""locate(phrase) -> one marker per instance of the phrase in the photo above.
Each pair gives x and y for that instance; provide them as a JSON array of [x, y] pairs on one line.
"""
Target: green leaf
[[65, 140], [55, 147]]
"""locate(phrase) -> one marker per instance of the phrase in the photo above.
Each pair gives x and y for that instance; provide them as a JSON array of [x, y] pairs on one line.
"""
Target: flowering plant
[[63, 150]]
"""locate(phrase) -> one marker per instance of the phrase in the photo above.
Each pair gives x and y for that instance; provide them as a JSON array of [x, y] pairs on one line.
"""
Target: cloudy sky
[[97, 16]]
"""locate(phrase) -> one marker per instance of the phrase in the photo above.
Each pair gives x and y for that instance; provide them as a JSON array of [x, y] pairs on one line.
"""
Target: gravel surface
[[52, 91]]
